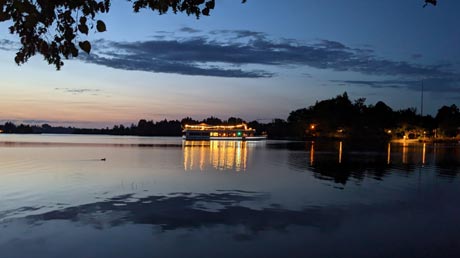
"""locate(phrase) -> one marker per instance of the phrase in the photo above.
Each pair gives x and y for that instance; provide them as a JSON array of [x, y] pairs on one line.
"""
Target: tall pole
[[421, 102], [421, 113]]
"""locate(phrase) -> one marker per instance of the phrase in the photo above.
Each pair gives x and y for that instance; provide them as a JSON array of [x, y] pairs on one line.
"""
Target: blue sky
[[258, 60]]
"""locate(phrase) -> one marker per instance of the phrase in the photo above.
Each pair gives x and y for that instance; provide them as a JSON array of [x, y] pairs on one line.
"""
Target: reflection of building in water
[[340, 152], [312, 154], [411, 153], [389, 154], [424, 154], [405, 147], [222, 155]]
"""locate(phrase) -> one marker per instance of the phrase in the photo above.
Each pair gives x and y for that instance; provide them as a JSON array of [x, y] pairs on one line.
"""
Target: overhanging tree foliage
[[52, 27]]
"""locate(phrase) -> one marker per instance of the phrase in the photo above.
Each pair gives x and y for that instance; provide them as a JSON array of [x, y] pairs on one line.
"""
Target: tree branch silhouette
[[54, 28]]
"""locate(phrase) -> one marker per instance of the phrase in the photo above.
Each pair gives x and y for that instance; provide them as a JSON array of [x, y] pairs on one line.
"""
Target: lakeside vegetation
[[335, 118]]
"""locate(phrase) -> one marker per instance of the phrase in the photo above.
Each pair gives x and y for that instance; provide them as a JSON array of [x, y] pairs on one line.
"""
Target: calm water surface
[[161, 197]]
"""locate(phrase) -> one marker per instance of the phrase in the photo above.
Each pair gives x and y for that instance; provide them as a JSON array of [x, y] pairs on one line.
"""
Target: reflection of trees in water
[[336, 161], [222, 155], [447, 159], [443, 158], [358, 167]]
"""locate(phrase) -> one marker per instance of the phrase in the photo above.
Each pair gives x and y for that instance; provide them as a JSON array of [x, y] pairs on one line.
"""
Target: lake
[[162, 197]]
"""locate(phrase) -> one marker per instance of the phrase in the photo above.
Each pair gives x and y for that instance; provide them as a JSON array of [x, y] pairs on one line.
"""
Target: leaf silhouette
[[85, 46], [83, 28], [100, 26]]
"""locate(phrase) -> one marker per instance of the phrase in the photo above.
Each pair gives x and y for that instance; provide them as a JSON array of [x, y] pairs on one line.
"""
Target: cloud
[[239, 34], [328, 44], [189, 30], [77, 90], [438, 85], [373, 84], [253, 54], [139, 63], [416, 56], [219, 52], [8, 45]]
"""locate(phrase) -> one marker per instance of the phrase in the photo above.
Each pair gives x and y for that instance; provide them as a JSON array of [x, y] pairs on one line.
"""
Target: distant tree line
[[10, 127], [334, 118]]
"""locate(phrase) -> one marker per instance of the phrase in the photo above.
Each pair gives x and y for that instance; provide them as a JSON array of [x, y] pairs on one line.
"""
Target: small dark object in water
[[103, 159]]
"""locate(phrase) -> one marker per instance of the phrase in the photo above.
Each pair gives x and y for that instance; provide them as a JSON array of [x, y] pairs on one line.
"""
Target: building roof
[[206, 127]]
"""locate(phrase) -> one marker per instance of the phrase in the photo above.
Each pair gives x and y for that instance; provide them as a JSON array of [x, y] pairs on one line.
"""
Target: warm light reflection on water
[[389, 154], [424, 154], [312, 154], [397, 153], [405, 148], [412, 153], [340, 152], [221, 155]]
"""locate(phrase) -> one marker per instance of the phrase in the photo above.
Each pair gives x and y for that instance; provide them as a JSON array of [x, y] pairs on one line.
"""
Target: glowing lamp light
[[239, 134]]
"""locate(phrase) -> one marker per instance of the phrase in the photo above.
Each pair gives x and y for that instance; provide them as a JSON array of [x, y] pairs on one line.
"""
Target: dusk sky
[[258, 61]]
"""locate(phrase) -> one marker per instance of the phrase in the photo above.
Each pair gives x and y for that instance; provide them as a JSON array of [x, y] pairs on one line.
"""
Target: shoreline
[[428, 140]]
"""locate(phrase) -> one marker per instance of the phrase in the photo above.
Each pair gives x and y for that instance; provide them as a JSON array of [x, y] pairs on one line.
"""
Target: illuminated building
[[220, 132]]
